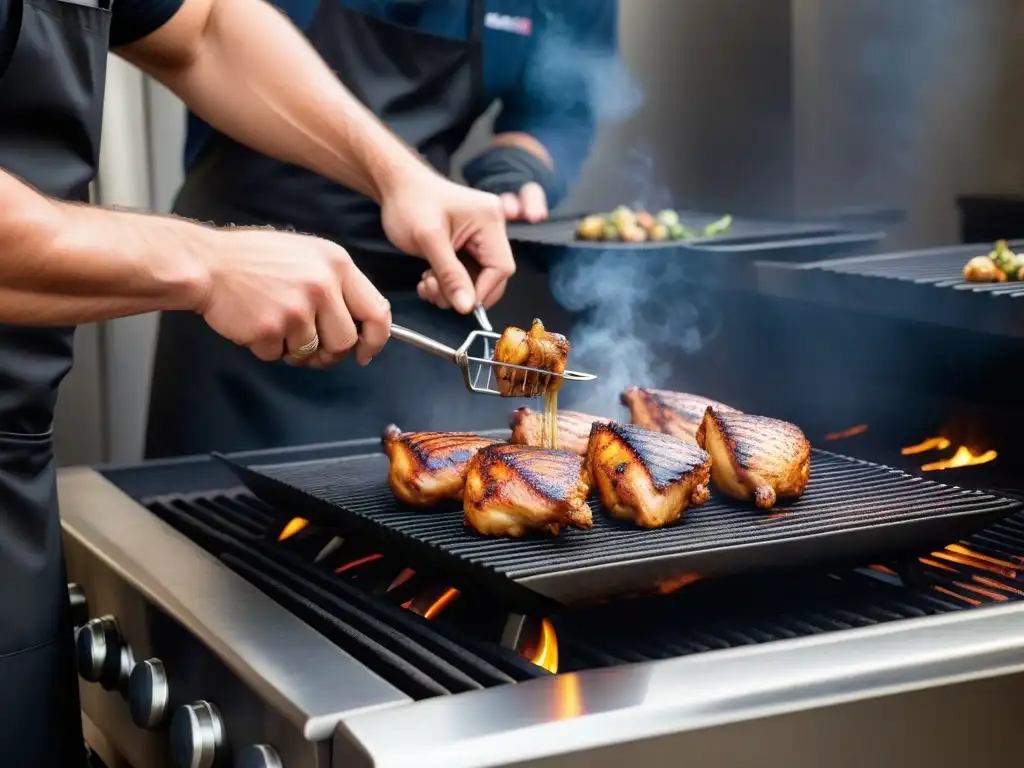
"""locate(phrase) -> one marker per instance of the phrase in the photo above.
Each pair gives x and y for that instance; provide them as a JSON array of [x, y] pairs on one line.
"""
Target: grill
[[420, 658], [852, 510], [745, 241], [427, 659], [925, 286]]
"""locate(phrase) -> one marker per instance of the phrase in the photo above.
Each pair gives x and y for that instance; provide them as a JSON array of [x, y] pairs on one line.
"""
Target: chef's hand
[[431, 217], [277, 292], [530, 204]]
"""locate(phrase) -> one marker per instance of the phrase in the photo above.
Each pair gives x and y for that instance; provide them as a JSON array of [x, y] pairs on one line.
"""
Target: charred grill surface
[[513, 489], [755, 457], [646, 476], [675, 413], [573, 429], [428, 467]]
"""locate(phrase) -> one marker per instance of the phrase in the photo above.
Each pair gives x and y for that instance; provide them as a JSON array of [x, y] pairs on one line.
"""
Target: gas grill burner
[[852, 511], [428, 640]]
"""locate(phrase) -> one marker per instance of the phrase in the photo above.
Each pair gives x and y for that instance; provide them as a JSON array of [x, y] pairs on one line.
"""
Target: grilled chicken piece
[[537, 348], [512, 489], [755, 456], [573, 429], [675, 413], [429, 467], [648, 477]]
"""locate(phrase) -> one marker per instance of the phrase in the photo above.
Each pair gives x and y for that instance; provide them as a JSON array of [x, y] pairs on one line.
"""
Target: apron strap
[[475, 28]]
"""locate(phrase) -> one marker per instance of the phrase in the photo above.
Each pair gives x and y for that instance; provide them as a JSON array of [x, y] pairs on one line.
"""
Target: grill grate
[[926, 286], [421, 658], [852, 510]]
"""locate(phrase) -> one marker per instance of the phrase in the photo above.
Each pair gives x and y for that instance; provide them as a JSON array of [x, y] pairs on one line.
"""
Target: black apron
[[51, 97], [210, 395]]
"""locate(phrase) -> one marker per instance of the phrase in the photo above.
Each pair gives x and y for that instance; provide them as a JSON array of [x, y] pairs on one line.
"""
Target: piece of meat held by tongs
[[499, 373], [755, 457], [675, 413], [648, 477], [527, 428], [532, 362], [429, 467], [514, 489]]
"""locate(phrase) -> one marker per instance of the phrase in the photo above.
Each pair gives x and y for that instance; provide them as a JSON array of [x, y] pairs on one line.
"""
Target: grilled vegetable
[[658, 233], [981, 269], [513, 489], [622, 218], [611, 233], [667, 218], [1005, 259], [715, 228], [644, 476], [591, 228], [633, 234], [645, 220]]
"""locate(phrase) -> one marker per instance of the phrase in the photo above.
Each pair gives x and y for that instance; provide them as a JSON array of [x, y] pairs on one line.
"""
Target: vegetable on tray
[[639, 226], [1001, 264]]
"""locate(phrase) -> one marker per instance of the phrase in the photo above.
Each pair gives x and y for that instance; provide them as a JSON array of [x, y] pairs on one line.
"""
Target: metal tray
[[852, 512], [923, 286]]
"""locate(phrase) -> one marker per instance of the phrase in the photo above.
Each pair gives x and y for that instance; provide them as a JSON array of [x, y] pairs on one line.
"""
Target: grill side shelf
[[922, 286], [853, 511]]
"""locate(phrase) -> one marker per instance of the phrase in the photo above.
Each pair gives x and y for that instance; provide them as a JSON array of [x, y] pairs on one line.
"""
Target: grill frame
[[922, 285], [556, 583]]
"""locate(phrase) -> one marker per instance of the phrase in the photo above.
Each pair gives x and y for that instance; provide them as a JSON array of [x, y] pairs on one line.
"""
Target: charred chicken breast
[[512, 489], [645, 476], [537, 348], [675, 413], [429, 467], [573, 429], [755, 457]]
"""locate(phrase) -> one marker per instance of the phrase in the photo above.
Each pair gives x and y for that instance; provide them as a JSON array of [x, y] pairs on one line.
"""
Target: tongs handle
[[427, 344]]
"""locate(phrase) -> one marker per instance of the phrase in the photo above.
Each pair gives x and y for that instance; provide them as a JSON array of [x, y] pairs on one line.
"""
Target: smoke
[[631, 318]]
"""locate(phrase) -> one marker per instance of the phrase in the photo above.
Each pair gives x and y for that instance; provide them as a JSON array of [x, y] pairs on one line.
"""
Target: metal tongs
[[472, 366]]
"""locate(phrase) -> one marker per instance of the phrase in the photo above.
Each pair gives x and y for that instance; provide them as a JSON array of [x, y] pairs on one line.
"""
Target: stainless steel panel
[[534, 723], [296, 670]]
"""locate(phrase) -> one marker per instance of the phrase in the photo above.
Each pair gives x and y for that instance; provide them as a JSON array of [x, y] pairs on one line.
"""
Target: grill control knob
[[259, 756], [98, 648], [197, 733], [148, 693], [79, 605]]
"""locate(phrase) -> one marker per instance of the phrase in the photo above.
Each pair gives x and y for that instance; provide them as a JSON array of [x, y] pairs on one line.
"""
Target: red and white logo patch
[[517, 25]]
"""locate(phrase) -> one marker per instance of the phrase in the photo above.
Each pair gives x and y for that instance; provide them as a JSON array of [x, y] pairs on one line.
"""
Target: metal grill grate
[[926, 286], [421, 658], [852, 510]]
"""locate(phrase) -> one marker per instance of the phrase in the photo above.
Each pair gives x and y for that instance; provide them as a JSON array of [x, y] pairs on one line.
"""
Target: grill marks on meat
[[513, 489], [646, 476], [537, 348], [573, 429], [755, 457], [429, 467], [675, 413]]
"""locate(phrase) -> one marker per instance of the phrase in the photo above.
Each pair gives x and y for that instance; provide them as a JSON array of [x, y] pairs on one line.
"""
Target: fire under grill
[[853, 511], [371, 604], [923, 286]]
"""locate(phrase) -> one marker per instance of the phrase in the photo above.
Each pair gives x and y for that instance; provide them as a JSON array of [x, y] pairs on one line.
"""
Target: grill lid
[[852, 511]]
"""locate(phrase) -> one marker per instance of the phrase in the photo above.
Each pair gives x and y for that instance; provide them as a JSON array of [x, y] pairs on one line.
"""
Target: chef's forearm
[[65, 264], [253, 76]]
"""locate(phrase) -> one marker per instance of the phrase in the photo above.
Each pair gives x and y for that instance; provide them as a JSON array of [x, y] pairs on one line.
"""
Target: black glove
[[507, 169]]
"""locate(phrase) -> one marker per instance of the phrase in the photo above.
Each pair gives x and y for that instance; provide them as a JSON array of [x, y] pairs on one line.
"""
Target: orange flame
[[435, 608], [295, 525], [964, 457], [545, 652], [675, 583], [357, 563], [931, 444], [859, 429], [951, 593]]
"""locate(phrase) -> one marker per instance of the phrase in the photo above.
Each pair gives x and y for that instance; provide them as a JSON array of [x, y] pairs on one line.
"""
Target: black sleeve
[[134, 19]]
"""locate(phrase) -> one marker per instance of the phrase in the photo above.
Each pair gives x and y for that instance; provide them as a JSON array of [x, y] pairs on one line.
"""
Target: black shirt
[[131, 21]]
